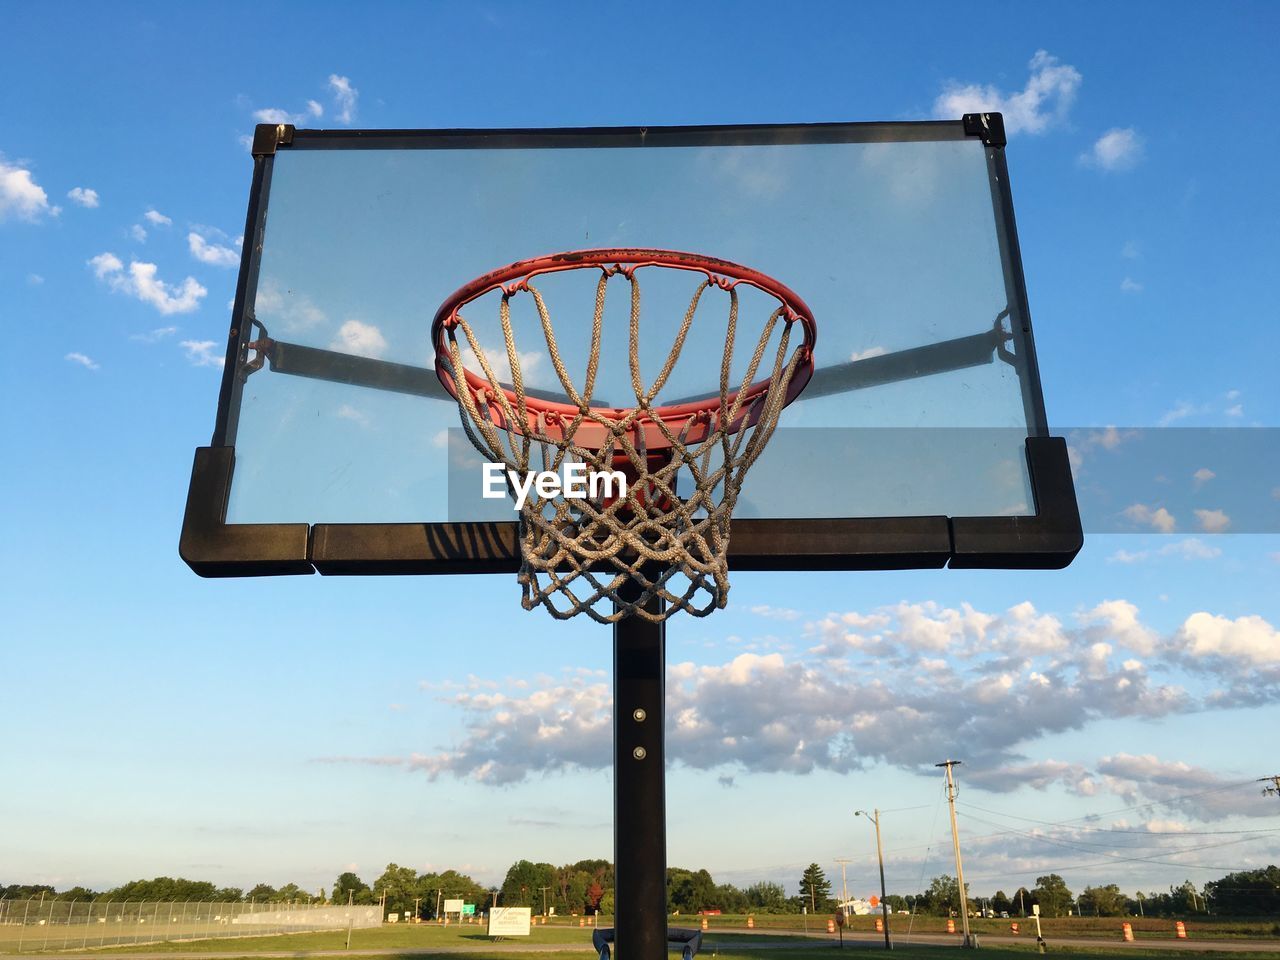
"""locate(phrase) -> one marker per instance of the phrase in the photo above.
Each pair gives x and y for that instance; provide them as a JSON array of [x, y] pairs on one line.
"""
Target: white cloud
[[138, 232], [273, 115], [80, 358], [1130, 250], [1202, 476], [105, 264], [1159, 519], [1212, 521], [35, 279], [776, 613], [1118, 620], [84, 196], [142, 283], [868, 353], [1235, 411], [1118, 149], [362, 339], [1168, 782], [1192, 548], [315, 109], [500, 364], [156, 218], [154, 336], [1044, 101], [914, 682], [211, 253], [293, 311], [203, 353], [1249, 638], [1129, 285], [348, 412], [344, 97], [20, 196]]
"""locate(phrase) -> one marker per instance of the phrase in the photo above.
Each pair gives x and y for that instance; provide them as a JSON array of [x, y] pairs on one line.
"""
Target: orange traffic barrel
[[879, 925], [1180, 930], [951, 926], [1013, 928], [704, 923], [751, 923]]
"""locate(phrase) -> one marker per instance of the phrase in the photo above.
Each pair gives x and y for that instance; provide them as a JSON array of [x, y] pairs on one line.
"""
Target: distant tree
[[229, 894], [524, 882], [26, 891], [689, 891], [943, 897], [767, 897], [438, 887], [1105, 901], [1022, 901], [1247, 893], [1000, 903], [729, 898], [77, 893], [262, 893], [349, 888], [400, 886], [291, 892], [1053, 896], [164, 889], [815, 889], [896, 902]]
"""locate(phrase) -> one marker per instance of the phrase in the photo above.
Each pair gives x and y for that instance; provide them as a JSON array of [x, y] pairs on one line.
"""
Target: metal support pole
[[639, 787]]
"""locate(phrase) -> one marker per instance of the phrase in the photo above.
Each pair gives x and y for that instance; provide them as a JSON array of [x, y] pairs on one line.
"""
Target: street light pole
[[884, 903]]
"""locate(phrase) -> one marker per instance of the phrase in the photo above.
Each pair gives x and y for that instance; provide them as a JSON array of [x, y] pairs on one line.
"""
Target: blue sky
[[286, 730]]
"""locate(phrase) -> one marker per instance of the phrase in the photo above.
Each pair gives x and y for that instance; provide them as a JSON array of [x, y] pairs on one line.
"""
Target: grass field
[[569, 941]]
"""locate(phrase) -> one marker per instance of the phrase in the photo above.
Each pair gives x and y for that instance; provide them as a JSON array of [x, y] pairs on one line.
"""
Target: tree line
[[587, 887]]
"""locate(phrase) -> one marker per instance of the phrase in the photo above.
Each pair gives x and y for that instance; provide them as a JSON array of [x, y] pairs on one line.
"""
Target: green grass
[[566, 940]]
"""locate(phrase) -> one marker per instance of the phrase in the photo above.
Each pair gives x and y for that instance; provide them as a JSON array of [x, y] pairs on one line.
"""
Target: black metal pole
[[639, 787]]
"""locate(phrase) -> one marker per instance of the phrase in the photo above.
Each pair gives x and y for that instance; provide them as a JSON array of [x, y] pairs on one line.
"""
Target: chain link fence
[[30, 925]]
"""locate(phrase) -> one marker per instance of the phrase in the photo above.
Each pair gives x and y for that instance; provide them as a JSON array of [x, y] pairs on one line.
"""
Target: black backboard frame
[[1049, 539]]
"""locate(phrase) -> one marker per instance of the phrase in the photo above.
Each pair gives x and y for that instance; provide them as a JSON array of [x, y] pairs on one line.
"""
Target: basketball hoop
[[632, 548]]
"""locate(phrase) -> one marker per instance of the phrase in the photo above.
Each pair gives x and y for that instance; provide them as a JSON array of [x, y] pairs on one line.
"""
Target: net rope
[[649, 543]]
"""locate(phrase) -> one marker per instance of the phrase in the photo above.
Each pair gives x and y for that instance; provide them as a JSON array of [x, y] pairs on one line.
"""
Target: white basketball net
[[650, 544]]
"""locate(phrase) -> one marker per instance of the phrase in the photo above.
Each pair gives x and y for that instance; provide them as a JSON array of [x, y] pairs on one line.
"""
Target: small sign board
[[453, 906], [509, 921], [468, 909]]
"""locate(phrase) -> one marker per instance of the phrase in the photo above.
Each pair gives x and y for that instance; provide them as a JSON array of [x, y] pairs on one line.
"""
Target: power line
[[1125, 859], [1063, 823]]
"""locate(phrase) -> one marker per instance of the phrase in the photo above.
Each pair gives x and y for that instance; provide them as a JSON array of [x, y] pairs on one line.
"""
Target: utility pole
[[544, 899], [813, 906], [844, 887], [416, 901], [955, 842], [884, 905]]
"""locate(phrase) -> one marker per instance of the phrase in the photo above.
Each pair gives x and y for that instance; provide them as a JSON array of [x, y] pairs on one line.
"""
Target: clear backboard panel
[[920, 440]]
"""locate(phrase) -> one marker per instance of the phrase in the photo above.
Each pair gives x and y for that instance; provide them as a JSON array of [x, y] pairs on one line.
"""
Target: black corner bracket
[[1049, 540], [267, 137], [213, 548], [989, 127]]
